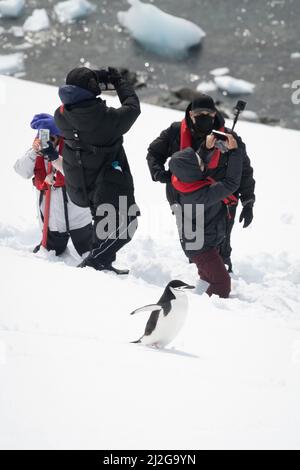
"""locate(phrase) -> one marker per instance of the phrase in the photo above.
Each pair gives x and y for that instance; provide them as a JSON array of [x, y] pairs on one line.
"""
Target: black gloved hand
[[102, 76], [50, 152], [247, 215], [114, 76], [163, 176]]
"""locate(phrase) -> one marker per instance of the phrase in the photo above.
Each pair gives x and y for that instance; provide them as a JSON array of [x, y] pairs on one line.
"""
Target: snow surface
[[38, 21], [158, 31], [11, 64], [11, 8], [234, 86], [70, 377], [73, 10]]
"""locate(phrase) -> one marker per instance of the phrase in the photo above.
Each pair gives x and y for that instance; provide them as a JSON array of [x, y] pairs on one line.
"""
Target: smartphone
[[44, 136], [220, 135]]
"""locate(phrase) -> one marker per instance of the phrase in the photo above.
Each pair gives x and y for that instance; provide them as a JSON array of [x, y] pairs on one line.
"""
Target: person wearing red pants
[[202, 206]]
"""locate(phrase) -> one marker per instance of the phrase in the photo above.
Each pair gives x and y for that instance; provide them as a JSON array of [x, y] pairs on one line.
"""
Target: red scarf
[[186, 141], [40, 172]]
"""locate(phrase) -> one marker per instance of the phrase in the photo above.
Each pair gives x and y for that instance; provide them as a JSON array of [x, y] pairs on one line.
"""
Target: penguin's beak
[[186, 287]]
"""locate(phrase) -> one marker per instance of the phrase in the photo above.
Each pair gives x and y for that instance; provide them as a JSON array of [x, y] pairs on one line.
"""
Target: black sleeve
[[124, 117], [247, 186], [158, 153], [226, 187]]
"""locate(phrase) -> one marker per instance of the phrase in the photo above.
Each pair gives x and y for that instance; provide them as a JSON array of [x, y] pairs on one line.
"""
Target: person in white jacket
[[66, 219]]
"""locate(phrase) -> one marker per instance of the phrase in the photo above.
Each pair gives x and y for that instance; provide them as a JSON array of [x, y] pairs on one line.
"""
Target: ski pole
[[47, 209]]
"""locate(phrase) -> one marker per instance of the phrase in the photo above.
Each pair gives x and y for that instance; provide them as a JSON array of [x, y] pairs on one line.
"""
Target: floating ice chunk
[[219, 71], [206, 87], [295, 55], [11, 8], [38, 21], [12, 63], [16, 31], [234, 86], [73, 10], [158, 31]]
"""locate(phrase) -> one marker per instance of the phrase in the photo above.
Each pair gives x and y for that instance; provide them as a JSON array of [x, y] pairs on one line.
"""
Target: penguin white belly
[[168, 327]]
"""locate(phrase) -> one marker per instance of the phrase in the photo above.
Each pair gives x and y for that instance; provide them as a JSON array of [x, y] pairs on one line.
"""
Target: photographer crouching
[[97, 173]]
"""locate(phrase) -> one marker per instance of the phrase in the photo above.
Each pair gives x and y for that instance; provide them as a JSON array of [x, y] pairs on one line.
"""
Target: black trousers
[[225, 248], [106, 245], [81, 238]]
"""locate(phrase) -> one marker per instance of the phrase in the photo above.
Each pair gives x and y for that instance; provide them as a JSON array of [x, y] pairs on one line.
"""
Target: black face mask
[[204, 124]]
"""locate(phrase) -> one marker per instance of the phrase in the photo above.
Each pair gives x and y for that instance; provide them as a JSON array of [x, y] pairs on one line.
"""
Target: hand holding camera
[[50, 152], [224, 142], [106, 77]]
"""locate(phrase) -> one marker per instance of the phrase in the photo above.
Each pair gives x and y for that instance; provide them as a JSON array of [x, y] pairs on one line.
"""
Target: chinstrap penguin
[[167, 317]]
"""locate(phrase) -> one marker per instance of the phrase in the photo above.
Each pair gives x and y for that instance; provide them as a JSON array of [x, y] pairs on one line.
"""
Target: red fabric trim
[[40, 172], [183, 187]]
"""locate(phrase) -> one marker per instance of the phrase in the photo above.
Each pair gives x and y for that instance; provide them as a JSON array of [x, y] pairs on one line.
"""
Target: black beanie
[[203, 103], [84, 78]]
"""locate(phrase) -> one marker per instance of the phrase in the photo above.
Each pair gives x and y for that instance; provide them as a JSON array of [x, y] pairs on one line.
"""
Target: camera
[[221, 139]]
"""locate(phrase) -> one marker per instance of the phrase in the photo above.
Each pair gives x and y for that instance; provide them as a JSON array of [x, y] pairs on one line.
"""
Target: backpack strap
[[79, 161], [65, 199]]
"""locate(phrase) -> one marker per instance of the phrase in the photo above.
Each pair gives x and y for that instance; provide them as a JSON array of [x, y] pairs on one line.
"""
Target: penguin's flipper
[[147, 308]]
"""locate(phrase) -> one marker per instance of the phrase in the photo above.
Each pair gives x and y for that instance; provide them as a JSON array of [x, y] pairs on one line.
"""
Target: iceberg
[[11, 8], [38, 21], [160, 32], [11, 64], [234, 86], [73, 10]]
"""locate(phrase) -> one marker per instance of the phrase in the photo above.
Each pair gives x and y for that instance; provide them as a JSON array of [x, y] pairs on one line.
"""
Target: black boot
[[93, 263], [37, 248]]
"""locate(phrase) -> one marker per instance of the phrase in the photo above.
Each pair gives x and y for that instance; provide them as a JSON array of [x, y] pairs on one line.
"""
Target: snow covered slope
[[69, 377]]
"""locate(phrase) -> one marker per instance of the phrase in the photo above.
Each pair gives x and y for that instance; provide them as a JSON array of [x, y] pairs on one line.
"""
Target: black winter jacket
[[169, 142], [101, 131], [211, 229]]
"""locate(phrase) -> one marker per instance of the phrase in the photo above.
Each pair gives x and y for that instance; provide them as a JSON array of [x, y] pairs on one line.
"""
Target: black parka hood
[[185, 165]]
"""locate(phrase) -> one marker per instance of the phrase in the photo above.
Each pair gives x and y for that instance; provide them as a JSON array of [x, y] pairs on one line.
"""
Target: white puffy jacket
[[78, 217]]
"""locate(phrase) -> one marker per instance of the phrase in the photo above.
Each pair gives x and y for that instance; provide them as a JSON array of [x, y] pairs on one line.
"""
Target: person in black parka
[[171, 141], [95, 165]]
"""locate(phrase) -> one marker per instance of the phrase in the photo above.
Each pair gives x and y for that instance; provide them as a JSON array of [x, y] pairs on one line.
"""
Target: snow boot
[[92, 263]]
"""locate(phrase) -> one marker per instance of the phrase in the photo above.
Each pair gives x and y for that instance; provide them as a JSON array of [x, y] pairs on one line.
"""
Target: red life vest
[[181, 186], [40, 172]]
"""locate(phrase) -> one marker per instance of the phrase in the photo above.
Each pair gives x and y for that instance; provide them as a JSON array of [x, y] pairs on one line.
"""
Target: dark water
[[253, 38]]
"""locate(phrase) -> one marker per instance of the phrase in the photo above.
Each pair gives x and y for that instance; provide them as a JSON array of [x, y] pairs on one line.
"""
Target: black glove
[[247, 215], [114, 77], [50, 152], [163, 176], [102, 76]]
